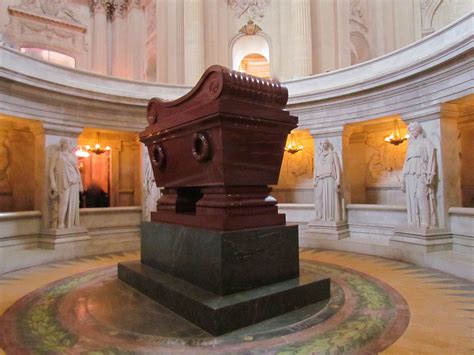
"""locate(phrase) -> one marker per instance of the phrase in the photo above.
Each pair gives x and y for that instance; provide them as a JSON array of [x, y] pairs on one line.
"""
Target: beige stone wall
[[121, 166], [374, 167], [17, 165], [174, 41], [295, 184], [465, 117]]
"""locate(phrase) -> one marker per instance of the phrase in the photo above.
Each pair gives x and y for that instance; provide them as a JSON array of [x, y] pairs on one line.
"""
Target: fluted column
[[99, 37], [300, 17], [136, 30], [119, 43], [193, 41]]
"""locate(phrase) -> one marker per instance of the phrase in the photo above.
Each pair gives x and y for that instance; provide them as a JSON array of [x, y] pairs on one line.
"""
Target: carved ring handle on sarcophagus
[[201, 147], [158, 157]]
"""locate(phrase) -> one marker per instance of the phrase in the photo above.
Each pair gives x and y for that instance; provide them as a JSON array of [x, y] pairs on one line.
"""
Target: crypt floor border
[[78, 306]]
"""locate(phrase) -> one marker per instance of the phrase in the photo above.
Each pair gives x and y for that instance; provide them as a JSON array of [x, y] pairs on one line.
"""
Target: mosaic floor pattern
[[79, 307]]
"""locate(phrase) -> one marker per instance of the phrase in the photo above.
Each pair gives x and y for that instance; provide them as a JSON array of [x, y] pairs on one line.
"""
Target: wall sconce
[[97, 149], [293, 146], [81, 153], [395, 138]]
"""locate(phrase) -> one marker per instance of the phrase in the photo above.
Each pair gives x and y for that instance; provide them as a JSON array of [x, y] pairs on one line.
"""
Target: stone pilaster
[[119, 44], [136, 41], [300, 18], [193, 41], [99, 37]]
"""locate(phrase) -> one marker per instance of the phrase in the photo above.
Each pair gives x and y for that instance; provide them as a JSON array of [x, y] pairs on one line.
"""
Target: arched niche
[[50, 56], [463, 110], [373, 166], [19, 154], [255, 64], [115, 173], [295, 183], [244, 45], [360, 51]]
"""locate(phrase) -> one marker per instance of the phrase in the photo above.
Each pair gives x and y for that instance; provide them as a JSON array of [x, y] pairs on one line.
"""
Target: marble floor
[[377, 305]]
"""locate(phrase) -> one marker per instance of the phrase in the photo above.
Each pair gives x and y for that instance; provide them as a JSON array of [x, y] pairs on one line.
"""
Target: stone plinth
[[423, 239], [222, 262], [52, 238], [221, 314], [327, 230], [219, 280]]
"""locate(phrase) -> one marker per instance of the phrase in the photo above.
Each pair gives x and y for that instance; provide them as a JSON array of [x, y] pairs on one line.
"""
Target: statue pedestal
[[223, 280], [327, 230], [52, 238], [422, 239]]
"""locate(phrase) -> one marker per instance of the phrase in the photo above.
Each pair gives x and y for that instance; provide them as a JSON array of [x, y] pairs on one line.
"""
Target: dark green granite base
[[219, 261], [221, 314]]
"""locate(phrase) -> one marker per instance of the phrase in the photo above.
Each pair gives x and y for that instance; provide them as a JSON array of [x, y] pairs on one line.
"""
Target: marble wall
[[429, 82], [174, 41], [116, 172], [17, 165], [466, 147], [374, 167], [295, 184]]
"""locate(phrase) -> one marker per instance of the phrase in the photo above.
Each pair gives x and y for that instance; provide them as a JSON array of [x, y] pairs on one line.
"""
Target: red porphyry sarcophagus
[[216, 150]]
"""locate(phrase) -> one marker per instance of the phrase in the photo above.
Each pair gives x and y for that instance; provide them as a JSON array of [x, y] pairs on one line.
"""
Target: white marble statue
[[65, 184], [327, 183], [150, 191], [419, 174]]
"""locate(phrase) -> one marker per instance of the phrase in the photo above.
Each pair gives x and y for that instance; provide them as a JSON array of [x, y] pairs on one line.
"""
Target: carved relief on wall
[[150, 15], [46, 24], [358, 12], [358, 20], [248, 10], [297, 169], [5, 163], [384, 161], [428, 9], [150, 64]]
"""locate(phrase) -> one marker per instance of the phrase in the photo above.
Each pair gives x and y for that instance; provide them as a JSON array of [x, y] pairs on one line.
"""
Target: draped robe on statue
[[68, 185], [419, 171], [328, 177]]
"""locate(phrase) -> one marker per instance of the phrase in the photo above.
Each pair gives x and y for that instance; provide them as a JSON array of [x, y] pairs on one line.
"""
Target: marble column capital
[[135, 4], [97, 6]]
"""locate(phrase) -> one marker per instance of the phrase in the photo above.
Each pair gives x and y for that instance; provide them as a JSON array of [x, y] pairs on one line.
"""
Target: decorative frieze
[[47, 24], [250, 10]]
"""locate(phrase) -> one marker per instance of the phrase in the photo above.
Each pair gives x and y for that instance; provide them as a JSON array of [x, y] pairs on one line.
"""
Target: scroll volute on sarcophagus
[[225, 137]]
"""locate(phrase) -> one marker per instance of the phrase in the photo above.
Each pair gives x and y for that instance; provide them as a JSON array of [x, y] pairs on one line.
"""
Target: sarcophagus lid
[[227, 134], [230, 129]]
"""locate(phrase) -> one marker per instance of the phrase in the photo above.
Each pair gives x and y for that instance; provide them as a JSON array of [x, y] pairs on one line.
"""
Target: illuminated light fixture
[[97, 147], [293, 146], [81, 153], [395, 138]]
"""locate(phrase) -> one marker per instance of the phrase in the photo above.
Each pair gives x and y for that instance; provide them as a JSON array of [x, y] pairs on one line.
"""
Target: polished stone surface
[[222, 262], [216, 149], [222, 314], [93, 312]]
